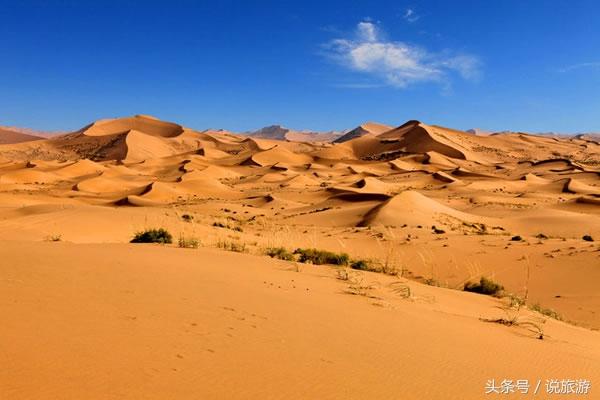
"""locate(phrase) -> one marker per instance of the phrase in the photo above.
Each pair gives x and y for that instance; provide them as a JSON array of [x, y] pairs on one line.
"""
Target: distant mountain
[[593, 136], [278, 132], [33, 132], [372, 128], [9, 135]]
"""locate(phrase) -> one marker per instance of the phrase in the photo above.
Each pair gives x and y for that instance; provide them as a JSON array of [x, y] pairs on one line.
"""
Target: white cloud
[[367, 31], [410, 15], [396, 63]]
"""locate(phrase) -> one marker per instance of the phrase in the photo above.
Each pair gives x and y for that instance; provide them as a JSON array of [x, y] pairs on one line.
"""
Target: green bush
[[360, 264], [279, 252], [484, 286], [153, 236], [319, 257]]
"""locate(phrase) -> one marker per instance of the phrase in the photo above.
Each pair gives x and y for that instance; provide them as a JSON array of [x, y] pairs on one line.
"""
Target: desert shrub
[[187, 217], [160, 235], [54, 238], [515, 301], [279, 252], [546, 311], [319, 257], [362, 265], [484, 286], [432, 282], [229, 245], [437, 230], [516, 238], [541, 236], [227, 226], [588, 238], [188, 243], [358, 286], [343, 274]]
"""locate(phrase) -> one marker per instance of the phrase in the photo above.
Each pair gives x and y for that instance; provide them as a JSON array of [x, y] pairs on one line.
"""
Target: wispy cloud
[[396, 63], [410, 15], [580, 66], [367, 31]]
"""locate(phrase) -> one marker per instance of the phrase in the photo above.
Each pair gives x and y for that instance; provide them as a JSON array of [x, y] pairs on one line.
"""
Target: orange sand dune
[[412, 208], [142, 123], [416, 203], [212, 325], [369, 128]]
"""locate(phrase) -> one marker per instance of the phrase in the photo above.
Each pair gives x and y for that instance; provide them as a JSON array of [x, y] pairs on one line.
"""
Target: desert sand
[[88, 315]]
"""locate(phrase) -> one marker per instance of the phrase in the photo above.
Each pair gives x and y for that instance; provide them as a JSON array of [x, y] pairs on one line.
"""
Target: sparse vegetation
[[280, 252], [437, 231], [588, 238], [362, 265], [54, 238], [513, 318], [227, 226], [343, 274], [512, 309], [516, 238], [319, 257], [159, 235], [188, 242], [534, 326], [402, 289], [358, 287], [548, 312], [432, 282], [229, 245], [484, 286], [187, 217]]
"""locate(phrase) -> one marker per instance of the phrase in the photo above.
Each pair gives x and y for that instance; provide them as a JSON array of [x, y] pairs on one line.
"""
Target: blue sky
[[240, 65]]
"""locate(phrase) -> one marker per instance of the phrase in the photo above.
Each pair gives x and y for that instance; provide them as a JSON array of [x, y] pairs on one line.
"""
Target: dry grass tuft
[[188, 242]]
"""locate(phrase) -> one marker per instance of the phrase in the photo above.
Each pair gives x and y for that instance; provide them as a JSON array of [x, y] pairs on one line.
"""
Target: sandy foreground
[[123, 321], [87, 315]]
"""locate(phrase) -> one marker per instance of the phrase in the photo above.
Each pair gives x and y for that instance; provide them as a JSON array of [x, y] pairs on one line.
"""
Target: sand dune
[[29, 176], [369, 128], [232, 325], [419, 202], [413, 208], [574, 186], [142, 123], [277, 155], [80, 168]]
